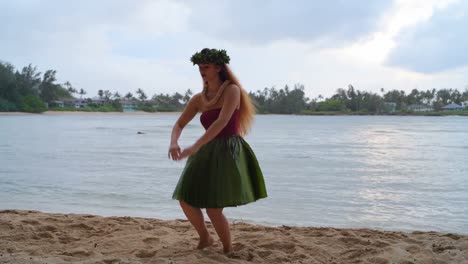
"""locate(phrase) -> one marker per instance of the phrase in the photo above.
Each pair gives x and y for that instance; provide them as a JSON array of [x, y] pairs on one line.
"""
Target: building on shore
[[56, 103], [420, 108], [80, 103], [129, 105], [453, 107]]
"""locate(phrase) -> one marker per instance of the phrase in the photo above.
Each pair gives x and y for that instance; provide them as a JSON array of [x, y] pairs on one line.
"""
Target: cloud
[[142, 19], [260, 22], [124, 45], [434, 46], [91, 43]]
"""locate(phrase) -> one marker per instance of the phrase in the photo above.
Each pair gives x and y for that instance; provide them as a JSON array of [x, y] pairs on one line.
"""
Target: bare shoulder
[[233, 86], [196, 100], [232, 89], [190, 110], [196, 97]]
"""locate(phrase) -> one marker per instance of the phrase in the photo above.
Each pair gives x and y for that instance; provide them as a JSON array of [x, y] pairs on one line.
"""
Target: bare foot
[[205, 243], [227, 250], [232, 254]]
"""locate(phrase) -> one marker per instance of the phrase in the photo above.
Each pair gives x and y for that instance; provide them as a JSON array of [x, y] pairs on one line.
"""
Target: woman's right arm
[[187, 115]]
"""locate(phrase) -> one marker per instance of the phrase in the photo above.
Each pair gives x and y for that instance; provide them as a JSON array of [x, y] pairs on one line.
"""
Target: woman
[[221, 170]]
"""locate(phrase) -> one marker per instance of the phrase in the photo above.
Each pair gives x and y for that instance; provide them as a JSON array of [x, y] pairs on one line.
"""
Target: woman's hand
[[174, 152], [189, 151]]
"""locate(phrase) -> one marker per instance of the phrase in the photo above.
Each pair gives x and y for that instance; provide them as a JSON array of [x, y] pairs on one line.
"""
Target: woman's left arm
[[231, 101]]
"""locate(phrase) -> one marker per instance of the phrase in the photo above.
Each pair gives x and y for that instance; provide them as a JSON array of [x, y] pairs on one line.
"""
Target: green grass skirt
[[222, 173]]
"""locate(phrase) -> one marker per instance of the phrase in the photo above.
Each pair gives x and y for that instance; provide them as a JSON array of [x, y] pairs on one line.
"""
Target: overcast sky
[[123, 45]]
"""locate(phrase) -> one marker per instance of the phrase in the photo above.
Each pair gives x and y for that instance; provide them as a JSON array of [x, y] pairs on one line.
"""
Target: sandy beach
[[36, 237]]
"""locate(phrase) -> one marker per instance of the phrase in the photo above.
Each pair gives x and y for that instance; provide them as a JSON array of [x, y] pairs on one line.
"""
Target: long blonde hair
[[247, 108]]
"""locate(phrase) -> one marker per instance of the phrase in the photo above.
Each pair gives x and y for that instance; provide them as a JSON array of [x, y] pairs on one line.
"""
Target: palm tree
[[70, 88], [141, 94], [444, 96], [187, 96], [107, 95], [82, 92]]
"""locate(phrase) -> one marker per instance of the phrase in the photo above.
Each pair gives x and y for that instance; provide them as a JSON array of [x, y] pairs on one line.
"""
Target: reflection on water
[[401, 173]]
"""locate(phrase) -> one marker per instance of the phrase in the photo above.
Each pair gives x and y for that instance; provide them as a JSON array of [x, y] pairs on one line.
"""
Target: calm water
[[395, 173]]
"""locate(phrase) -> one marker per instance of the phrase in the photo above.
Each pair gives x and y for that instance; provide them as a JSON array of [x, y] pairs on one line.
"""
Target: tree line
[[29, 90], [351, 100]]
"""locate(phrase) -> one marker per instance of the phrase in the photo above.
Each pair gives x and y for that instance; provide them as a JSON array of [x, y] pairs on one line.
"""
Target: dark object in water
[[140, 133]]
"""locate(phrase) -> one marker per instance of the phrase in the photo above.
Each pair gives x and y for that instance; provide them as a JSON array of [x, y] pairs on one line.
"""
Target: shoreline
[[37, 237], [432, 114], [87, 113]]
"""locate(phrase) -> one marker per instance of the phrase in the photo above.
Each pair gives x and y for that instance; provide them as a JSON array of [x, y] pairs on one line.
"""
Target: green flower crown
[[213, 56]]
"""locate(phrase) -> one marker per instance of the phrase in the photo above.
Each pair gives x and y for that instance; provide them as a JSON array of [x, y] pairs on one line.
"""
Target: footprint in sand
[[145, 253], [111, 261], [406, 262], [81, 226], [47, 228], [381, 244], [315, 233], [452, 236], [43, 235], [250, 236], [160, 232], [31, 222], [249, 229], [354, 254], [146, 227], [379, 260], [65, 239], [354, 241], [413, 249], [238, 246], [264, 253], [441, 248], [58, 220], [151, 240], [79, 252]]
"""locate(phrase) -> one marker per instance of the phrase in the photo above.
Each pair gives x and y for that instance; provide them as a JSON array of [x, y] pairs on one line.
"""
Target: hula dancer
[[221, 170]]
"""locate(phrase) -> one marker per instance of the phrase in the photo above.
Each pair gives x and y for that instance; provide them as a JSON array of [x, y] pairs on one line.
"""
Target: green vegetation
[[27, 90], [355, 102], [31, 91], [32, 104]]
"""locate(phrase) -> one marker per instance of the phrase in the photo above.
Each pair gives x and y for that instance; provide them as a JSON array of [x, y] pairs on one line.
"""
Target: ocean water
[[386, 172]]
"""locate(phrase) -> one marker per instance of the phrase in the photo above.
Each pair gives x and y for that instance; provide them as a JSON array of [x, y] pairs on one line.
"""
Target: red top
[[232, 127]]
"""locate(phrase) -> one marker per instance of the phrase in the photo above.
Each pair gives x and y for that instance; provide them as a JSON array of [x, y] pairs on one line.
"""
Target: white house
[[99, 100], [80, 103], [453, 107], [420, 108], [57, 103], [129, 105]]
